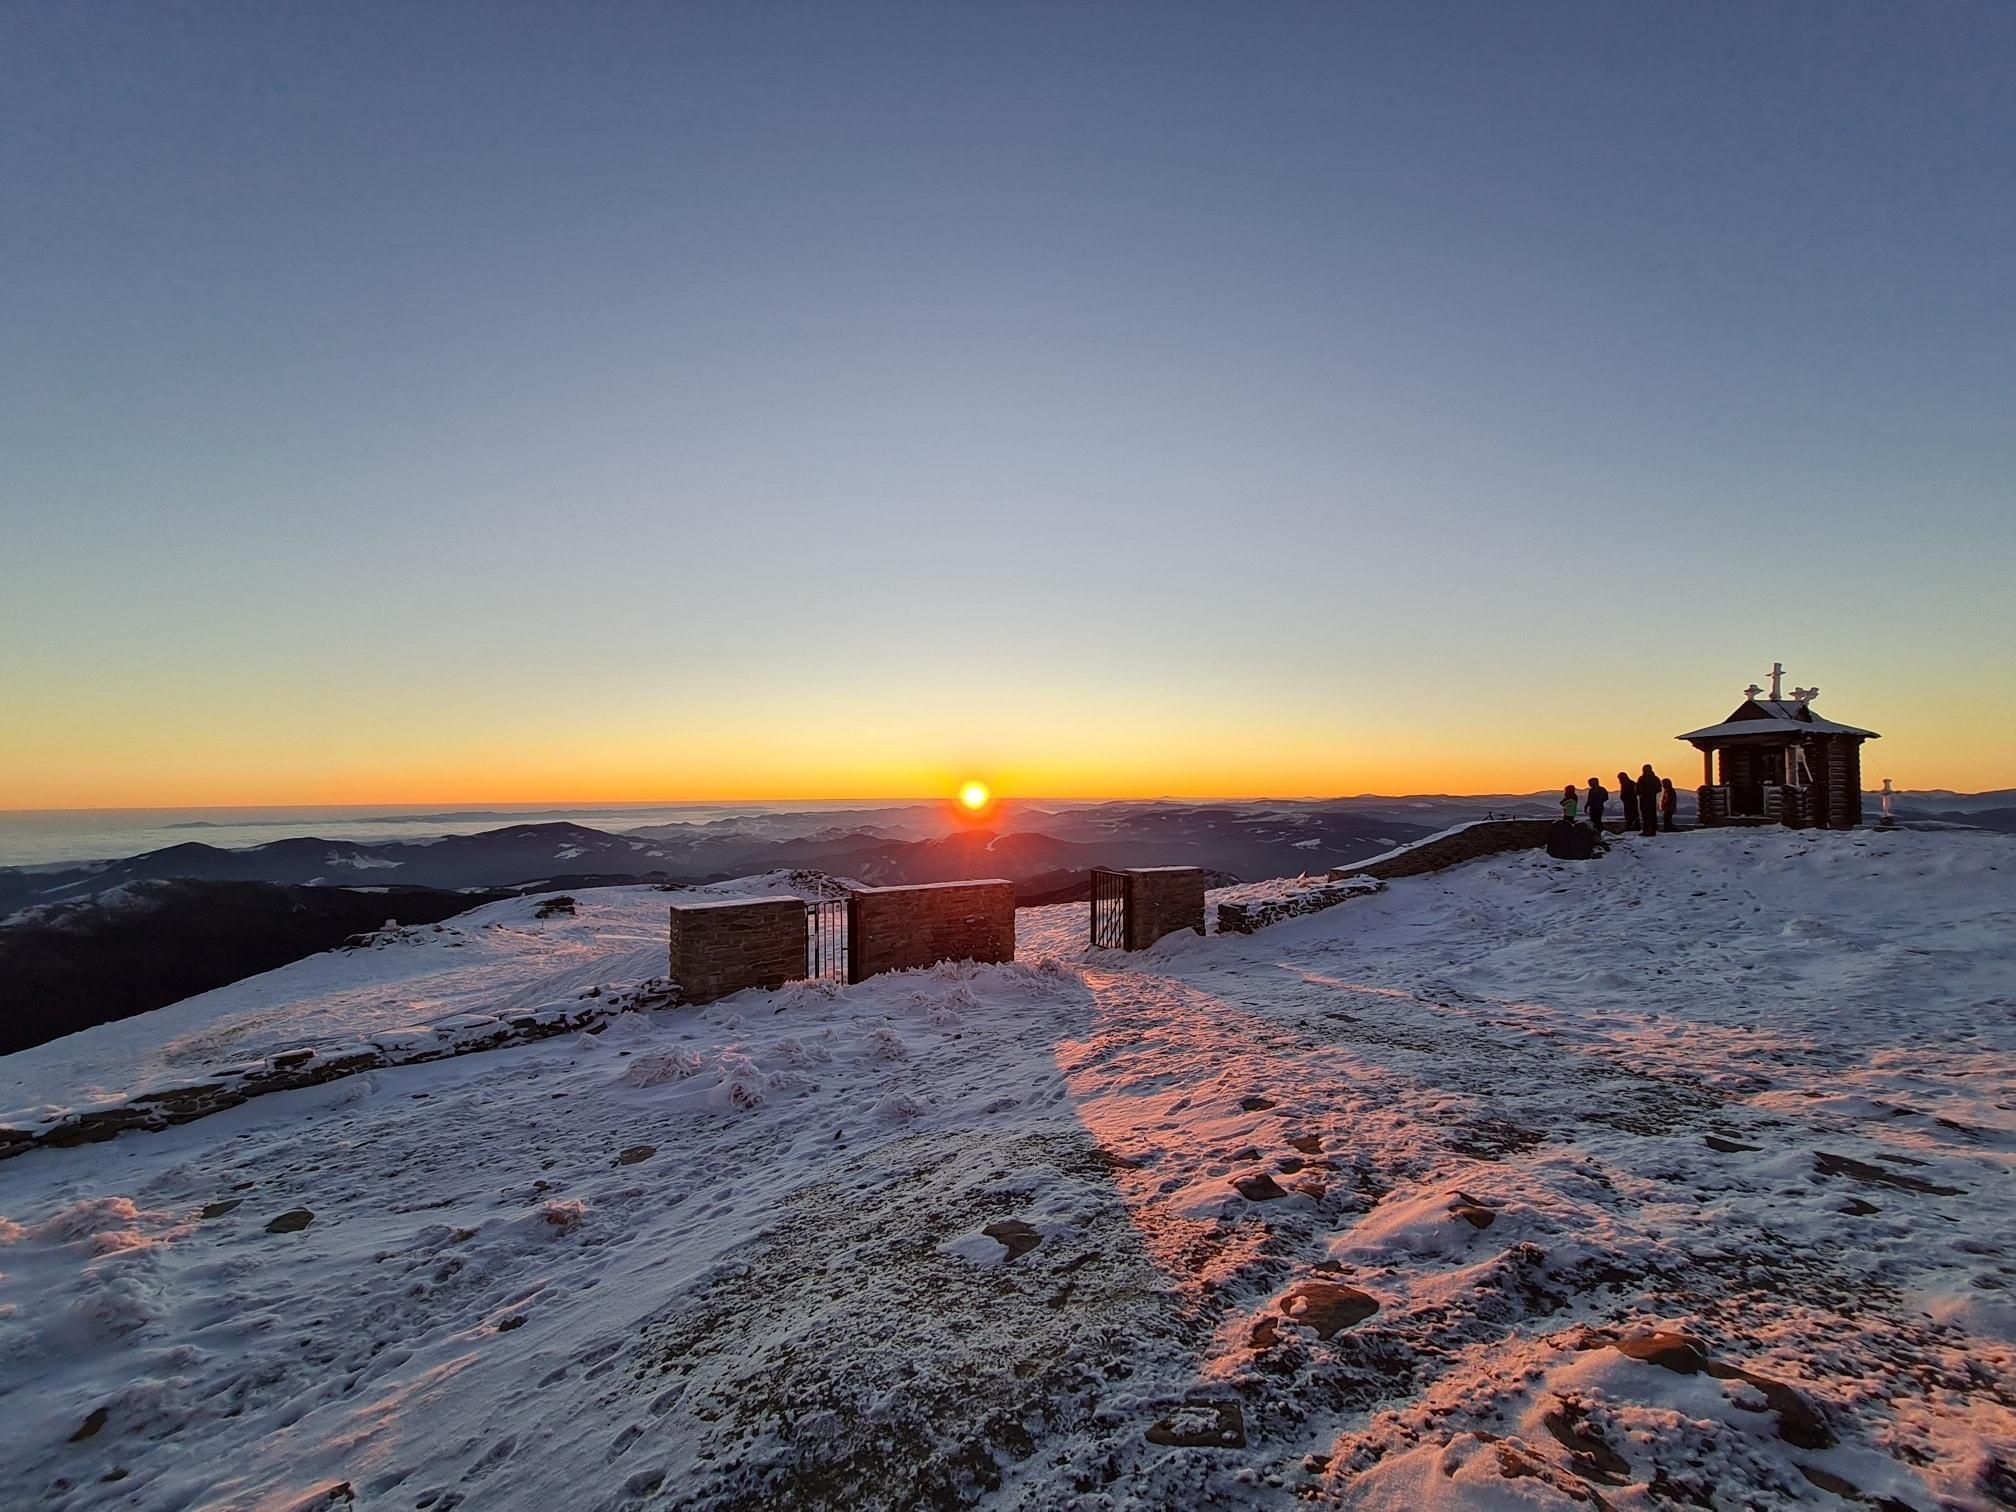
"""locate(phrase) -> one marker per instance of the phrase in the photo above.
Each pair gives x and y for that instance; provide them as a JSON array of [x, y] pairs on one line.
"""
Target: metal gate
[[826, 939], [1109, 909]]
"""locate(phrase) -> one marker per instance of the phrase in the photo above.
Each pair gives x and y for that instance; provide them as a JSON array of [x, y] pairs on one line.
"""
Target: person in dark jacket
[[1627, 791], [1598, 796], [1668, 801], [1648, 801]]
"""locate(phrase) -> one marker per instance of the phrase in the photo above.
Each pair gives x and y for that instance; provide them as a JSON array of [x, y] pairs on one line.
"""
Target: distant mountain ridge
[[924, 844], [1045, 849]]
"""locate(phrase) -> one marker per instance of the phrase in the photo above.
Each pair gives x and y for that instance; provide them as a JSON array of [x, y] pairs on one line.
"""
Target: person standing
[[1598, 796], [1648, 801], [1627, 793], [1668, 802], [1568, 802]]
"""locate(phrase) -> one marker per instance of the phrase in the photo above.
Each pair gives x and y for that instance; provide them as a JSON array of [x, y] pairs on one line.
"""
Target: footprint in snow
[[491, 1458]]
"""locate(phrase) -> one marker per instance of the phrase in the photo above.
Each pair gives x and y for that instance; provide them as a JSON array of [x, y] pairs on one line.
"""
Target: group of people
[[1648, 798]]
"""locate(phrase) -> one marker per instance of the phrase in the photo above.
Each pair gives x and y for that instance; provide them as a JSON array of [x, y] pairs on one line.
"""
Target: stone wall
[[151, 1110], [719, 948], [890, 928], [1244, 918], [1162, 900], [1487, 838]]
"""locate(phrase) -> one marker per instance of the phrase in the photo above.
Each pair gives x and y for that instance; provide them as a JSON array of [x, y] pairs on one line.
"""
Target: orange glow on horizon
[[64, 753]]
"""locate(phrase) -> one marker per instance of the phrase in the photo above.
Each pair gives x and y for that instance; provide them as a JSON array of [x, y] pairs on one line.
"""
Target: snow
[[1358, 1209], [358, 861], [1413, 845], [493, 959]]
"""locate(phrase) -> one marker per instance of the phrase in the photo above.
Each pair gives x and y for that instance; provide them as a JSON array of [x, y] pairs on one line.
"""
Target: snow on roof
[[1778, 713]]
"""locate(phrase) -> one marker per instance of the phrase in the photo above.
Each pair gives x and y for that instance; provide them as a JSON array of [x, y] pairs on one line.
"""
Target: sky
[[460, 403]]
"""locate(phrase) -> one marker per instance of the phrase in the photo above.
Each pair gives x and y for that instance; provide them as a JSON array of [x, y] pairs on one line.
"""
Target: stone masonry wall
[[1244, 918], [719, 948], [890, 928], [1474, 840], [153, 1109], [1163, 900], [1488, 838]]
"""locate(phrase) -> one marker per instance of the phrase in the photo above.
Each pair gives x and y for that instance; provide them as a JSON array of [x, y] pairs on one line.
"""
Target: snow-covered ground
[[1679, 1177], [494, 959]]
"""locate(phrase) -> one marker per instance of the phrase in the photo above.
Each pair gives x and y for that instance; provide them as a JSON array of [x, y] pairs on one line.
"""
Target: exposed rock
[[1729, 1146], [1669, 1351], [636, 1153], [154, 1111], [219, 1209], [1856, 1170], [1202, 1425], [1018, 1237], [1591, 1456], [1257, 1104], [290, 1222], [93, 1421], [1799, 1422], [1327, 1306], [1258, 1188], [1308, 1144]]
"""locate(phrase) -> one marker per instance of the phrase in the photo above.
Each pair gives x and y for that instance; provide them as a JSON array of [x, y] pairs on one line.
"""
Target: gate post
[[1132, 909], [725, 946], [1163, 900]]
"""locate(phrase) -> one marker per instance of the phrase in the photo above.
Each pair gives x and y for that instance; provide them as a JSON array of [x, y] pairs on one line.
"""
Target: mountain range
[[1044, 849], [1041, 847]]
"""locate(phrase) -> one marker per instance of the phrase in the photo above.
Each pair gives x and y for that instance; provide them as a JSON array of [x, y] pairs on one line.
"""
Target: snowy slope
[[499, 957], [1377, 1207]]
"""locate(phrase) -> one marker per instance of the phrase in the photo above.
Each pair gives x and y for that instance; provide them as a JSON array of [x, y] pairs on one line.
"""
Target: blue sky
[[465, 402]]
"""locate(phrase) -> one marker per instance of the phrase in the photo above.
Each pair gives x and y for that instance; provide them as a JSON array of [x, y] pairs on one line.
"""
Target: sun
[[973, 796]]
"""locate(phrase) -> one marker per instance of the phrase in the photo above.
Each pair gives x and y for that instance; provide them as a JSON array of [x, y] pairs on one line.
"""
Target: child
[[1568, 802], [1668, 801]]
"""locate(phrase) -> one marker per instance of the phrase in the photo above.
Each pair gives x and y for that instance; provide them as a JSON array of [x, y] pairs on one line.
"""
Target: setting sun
[[973, 796]]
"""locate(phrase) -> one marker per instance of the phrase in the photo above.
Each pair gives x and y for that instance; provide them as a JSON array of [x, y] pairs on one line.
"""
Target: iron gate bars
[[1109, 909], [826, 940]]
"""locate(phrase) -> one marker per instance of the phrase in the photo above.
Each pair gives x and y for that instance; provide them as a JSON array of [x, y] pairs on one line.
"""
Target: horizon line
[[480, 805]]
